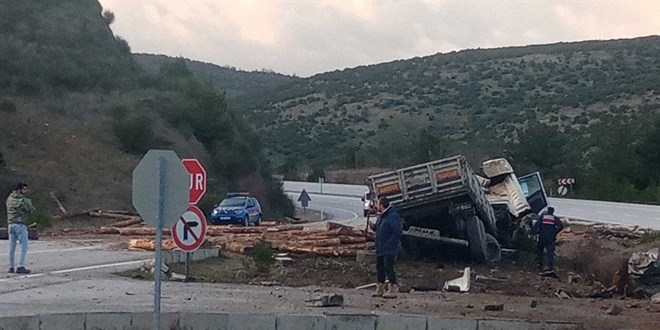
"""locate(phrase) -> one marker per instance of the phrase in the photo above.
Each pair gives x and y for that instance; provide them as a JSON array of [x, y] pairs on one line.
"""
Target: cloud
[[308, 37]]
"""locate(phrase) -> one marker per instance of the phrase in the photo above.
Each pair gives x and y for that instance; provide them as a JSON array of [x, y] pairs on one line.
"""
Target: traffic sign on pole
[[190, 231], [304, 199], [160, 182], [562, 190], [197, 179], [160, 197]]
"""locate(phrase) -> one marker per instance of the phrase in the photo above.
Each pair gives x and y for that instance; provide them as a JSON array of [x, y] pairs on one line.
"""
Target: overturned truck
[[445, 202]]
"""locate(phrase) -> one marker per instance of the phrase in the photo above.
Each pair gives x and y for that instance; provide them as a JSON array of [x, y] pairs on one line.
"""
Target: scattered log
[[126, 223], [145, 244], [141, 231], [102, 214], [59, 205], [108, 230]]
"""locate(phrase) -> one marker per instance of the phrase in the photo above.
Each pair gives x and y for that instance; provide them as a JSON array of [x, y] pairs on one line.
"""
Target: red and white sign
[[566, 181], [189, 232], [197, 179]]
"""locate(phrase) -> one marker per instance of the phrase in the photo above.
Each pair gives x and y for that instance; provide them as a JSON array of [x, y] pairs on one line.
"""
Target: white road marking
[[78, 269], [64, 250]]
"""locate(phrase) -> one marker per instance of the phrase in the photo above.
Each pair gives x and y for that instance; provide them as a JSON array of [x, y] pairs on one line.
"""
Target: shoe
[[22, 270], [392, 291], [11, 270], [380, 289]]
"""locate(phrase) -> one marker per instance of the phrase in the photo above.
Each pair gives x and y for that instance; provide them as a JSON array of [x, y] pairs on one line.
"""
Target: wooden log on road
[[125, 223]]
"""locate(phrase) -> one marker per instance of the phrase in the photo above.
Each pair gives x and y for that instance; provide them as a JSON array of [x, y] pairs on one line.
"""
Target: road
[[645, 216]]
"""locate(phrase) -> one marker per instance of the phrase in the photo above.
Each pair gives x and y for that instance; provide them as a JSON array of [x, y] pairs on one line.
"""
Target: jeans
[[385, 268], [17, 232], [547, 259]]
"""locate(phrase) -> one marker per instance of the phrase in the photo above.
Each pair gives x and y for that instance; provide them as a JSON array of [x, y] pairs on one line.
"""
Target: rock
[[656, 298], [326, 300], [533, 304], [573, 278], [494, 308], [469, 306], [614, 310], [405, 288]]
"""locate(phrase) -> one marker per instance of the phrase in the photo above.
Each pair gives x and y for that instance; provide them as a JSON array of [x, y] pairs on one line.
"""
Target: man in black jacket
[[389, 228], [547, 227]]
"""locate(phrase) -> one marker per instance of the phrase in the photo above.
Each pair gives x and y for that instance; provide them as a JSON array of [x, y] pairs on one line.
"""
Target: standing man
[[547, 227], [389, 228], [18, 208]]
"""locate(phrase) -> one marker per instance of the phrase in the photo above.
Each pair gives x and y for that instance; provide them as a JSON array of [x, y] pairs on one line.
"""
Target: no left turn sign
[[189, 232]]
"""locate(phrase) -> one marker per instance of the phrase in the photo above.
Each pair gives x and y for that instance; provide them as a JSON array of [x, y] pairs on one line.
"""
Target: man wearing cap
[[389, 228], [547, 227], [18, 209]]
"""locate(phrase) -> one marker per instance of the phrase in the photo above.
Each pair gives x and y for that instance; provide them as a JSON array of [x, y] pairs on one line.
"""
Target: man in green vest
[[18, 209]]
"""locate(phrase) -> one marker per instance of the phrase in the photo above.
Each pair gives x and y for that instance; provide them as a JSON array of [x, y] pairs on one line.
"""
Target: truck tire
[[484, 247]]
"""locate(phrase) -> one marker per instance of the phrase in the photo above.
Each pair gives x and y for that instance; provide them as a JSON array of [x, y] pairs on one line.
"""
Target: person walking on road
[[18, 209], [547, 227], [388, 228]]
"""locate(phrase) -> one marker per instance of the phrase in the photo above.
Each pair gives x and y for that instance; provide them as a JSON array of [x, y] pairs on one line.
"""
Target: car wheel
[[258, 221]]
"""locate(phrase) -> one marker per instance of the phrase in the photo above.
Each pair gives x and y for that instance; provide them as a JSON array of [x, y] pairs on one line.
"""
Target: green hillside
[[563, 108], [78, 112]]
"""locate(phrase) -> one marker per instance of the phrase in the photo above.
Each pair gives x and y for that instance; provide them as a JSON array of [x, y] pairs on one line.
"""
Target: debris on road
[[461, 284], [613, 310], [326, 300], [366, 286], [533, 303], [494, 308], [644, 269]]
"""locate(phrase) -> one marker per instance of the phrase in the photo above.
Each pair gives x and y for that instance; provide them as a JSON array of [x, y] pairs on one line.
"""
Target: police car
[[237, 208]]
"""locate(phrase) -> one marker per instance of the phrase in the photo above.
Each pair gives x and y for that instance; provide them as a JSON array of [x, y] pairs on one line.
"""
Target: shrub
[[263, 256], [135, 133]]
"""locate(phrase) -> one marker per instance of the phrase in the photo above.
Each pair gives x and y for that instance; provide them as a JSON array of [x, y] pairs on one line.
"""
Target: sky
[[305, 37]]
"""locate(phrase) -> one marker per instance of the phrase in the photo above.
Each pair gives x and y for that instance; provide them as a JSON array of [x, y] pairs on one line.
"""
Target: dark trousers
[[545, 251], [385, 268]]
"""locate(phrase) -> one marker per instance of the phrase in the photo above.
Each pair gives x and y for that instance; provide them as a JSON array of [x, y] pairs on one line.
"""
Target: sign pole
[[187, 266], [159, 242]]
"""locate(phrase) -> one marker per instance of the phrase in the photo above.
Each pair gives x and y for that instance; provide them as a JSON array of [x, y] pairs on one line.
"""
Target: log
[[141, 231], [102, 214], [126, 223], [107, 230], [59, 205], [145, 244]]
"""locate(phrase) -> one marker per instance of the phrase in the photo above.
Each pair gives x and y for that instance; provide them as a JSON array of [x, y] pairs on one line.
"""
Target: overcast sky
[[308, 37]]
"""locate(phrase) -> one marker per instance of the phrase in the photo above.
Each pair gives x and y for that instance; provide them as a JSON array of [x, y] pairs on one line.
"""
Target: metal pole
[[159, 244], [321, 183], [187, 266]]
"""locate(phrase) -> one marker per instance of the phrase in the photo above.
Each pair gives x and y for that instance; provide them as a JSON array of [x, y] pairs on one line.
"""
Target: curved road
[[642, 215]]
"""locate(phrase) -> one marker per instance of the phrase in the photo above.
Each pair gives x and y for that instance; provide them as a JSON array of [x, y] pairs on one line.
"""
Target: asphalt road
[[645, 216]]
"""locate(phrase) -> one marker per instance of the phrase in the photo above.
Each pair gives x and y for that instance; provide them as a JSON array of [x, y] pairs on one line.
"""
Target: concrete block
[[62, 321], [202, 254], [108, 321], [20, 323], [300, 322], [400, 322], [449, 323], [252, 322], [145, 321], [350, 322], [199, 321], [523, 325]]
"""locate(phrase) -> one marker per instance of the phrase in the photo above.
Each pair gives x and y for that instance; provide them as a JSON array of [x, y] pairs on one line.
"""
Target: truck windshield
[[234, 201]]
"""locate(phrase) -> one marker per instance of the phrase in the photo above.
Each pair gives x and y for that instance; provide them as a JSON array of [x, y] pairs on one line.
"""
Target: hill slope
[[481, 103]]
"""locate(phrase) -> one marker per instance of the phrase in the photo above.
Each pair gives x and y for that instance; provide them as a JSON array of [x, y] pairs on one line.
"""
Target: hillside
[[78, 113], [233, 81], [480, 103]]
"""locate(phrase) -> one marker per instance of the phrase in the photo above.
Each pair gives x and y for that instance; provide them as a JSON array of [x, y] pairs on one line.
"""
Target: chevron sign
[[566, 181]]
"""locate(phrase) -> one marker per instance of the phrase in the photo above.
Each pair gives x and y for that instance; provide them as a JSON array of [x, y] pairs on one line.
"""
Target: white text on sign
[[196, 181]]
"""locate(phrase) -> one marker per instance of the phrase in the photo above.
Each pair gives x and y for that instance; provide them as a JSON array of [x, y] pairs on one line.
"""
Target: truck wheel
[[493, 250], [484, 247]]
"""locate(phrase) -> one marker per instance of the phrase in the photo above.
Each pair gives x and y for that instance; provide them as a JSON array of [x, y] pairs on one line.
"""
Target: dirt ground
[[586, 265]]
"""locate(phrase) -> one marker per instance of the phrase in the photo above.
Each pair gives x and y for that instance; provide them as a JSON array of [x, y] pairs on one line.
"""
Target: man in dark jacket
[[389, 228], [547, 227]]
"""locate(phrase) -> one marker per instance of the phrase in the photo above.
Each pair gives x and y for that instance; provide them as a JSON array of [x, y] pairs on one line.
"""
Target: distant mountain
[[480, 103], [234, 81]]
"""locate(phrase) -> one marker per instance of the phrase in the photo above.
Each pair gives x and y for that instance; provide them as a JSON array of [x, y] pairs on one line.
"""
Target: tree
[[108, 16]]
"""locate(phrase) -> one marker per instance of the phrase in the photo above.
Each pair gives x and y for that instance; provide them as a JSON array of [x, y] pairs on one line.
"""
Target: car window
[[250, 202], [233, 201]]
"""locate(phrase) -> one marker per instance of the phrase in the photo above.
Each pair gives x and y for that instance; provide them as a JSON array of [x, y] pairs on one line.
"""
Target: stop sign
[[197, 179]]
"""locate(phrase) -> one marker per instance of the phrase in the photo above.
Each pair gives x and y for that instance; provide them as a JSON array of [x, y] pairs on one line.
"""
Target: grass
[[650, 237]]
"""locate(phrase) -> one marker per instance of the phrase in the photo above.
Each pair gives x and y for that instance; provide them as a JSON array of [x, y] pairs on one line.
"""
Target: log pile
[[332, 240], [580, 229]]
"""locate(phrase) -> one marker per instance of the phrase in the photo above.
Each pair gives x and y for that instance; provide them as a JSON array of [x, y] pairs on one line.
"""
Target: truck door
[[532, 187]]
